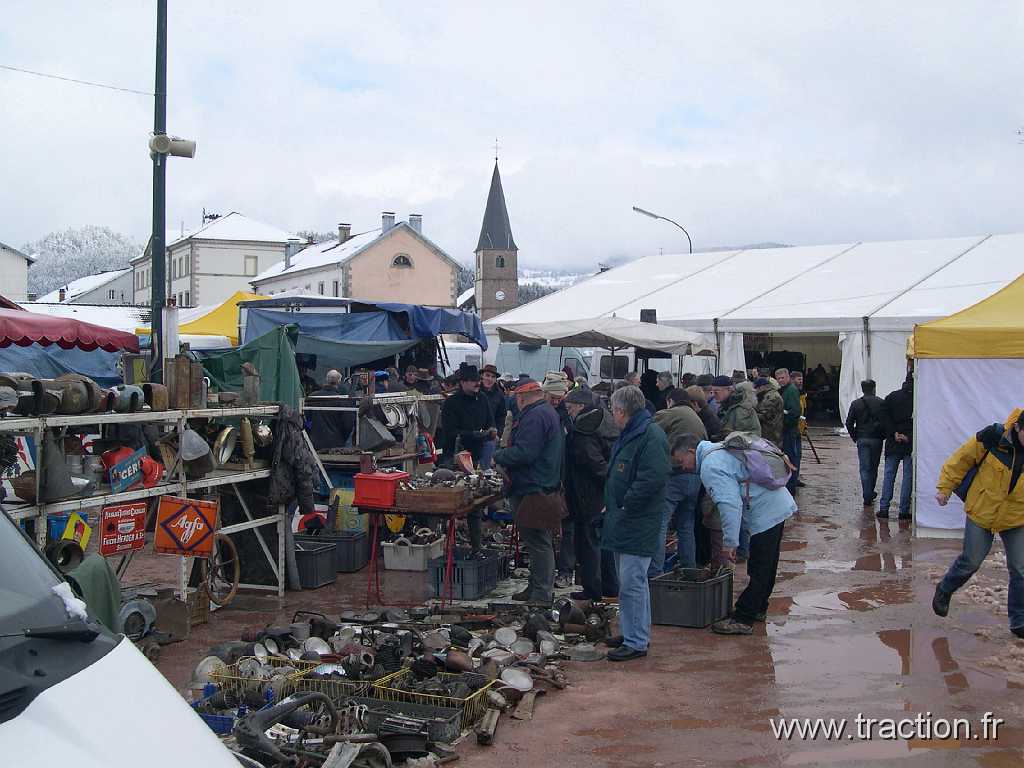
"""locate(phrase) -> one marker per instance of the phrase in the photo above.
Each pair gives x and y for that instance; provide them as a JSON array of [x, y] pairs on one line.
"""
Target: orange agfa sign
[[185, 527]]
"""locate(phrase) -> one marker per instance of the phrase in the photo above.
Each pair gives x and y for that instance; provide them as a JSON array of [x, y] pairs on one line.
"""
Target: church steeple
[[496, 232], [497, 256]]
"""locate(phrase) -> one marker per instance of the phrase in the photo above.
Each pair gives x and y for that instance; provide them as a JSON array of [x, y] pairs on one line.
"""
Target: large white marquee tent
[[866, 296]]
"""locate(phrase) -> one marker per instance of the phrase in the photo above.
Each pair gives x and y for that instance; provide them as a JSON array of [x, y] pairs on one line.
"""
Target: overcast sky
[[787, 122]]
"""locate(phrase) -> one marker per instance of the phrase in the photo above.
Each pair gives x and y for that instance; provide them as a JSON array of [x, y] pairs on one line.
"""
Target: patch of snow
[[235, 226], [321, 255], [76, 288], [76, 608], [120, 318]]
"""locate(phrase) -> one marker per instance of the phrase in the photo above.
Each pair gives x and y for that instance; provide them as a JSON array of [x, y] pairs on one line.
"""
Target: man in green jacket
[[634, 498], [738, 411], [791, 413]]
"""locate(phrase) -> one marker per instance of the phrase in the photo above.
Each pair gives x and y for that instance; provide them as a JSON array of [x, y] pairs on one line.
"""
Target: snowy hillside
[[550, 278], [66, 256]]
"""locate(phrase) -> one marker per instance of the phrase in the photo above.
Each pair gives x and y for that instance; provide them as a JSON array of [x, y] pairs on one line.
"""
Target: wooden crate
[[432, 499]]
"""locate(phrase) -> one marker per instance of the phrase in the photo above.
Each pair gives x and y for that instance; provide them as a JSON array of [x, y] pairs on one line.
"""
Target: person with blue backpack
[[745, 475]]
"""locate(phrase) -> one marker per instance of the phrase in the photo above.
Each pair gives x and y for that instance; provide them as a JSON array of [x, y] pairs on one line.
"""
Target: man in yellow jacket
[[994, 504]]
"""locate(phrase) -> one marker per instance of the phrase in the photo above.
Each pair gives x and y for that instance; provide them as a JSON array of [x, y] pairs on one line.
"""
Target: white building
[[208, 265], [14, 273], [105, 288]]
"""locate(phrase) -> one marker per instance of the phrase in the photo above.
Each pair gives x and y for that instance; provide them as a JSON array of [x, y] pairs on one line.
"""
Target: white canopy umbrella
[[608, 333]]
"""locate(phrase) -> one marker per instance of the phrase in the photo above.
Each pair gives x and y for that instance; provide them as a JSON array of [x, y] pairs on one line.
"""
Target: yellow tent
[[992, 328], [221, 320]]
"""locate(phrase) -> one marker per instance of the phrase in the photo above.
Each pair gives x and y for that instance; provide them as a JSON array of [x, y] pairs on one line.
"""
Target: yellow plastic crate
[[232, 682], [338, 690], [473, 707]]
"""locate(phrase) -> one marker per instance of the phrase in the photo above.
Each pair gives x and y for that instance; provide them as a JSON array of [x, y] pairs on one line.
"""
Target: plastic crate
[[677, 602], [316, 564], [471, 578], [402, 555], [351, 552], [444, 723], [377, 489], [472, 707], [232, 682], [219, 724], [338, 689]]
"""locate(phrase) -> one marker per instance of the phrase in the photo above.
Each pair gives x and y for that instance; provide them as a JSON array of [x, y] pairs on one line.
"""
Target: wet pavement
[[850, 632]]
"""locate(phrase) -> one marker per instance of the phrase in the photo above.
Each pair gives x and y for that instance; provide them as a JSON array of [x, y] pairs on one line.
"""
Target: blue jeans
[[892, 465], [634, 600], [681, 491], [487, 453], [792, 448], [869, 453], [977, 543]]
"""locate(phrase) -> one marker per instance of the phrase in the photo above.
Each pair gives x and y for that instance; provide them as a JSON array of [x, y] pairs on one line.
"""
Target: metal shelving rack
[[179, 485]]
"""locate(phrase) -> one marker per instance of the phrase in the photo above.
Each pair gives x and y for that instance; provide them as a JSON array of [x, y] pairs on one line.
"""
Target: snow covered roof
[[464, 297], [121, 318], [82, 285], [234, 226], [15, 251], [822, 288], [321, 255]]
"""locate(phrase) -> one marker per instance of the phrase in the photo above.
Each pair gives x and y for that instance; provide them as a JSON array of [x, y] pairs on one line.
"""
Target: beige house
[[212, 263], [393, 263]]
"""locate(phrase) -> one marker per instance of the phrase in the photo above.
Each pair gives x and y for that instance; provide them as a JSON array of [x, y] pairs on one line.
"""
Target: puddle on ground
[[878, 562], [817, 602]]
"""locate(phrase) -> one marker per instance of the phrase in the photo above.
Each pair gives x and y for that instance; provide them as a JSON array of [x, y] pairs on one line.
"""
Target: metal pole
[[158, 257]]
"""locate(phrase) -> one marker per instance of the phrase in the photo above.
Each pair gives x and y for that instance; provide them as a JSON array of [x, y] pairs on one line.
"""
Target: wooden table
[[452, 516]]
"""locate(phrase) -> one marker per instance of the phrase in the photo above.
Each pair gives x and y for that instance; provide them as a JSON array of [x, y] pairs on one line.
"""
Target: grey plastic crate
[[445, 723], [316, 564], [471, 578], [351, 552], [678, 602]]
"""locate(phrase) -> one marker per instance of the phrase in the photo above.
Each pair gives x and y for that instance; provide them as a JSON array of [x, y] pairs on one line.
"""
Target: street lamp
[[665, 218]]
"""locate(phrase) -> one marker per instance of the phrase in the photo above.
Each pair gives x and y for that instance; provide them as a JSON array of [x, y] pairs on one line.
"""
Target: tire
[[222, 571]]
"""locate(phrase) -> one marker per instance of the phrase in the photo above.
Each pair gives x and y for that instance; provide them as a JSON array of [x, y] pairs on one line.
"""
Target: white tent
[[609, 333], [867, 295]]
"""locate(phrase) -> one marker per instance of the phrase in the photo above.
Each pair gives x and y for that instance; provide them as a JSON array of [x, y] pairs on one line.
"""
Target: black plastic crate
[[351, 552], [471, 578], [445, 723], [316, 564], [678, 602]]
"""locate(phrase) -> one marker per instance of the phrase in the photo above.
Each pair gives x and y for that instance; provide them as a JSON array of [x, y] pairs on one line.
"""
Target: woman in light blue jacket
[[762, 510]]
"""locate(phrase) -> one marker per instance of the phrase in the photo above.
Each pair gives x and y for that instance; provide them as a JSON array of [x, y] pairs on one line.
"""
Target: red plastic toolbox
[[377, 489]]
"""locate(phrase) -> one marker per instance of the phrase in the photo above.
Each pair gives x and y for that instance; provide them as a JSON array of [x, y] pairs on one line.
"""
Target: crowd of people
[[595, 484]]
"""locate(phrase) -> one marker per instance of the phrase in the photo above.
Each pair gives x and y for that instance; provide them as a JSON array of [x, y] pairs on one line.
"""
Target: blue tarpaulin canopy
[[332, 326], [427, 322], [413, 321], [51, 361]]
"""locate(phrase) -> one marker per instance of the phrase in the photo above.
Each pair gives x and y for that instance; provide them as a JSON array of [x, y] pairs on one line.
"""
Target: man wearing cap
[[737, 412], [533, 463], [555, 386], [425, 382], [587, 448], [704, 381], [466, 420], [407, 382], [492, 392]]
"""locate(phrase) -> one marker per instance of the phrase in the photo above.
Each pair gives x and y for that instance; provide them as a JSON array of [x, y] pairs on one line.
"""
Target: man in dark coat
[[899, 447], [588, 446], [866, 424], [330, 429], [533, 463], [634, 497], [495, 396], [466, 419], [792, 411]]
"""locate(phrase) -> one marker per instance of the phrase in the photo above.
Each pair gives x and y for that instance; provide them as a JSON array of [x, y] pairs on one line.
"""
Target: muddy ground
[[850, 631]]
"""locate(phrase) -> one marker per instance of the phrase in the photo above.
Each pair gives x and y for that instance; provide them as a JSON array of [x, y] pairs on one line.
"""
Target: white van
[[536, 360], [66, 699]]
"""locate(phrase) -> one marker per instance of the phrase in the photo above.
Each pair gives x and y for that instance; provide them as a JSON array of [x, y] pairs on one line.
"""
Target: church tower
[[497, 268]]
